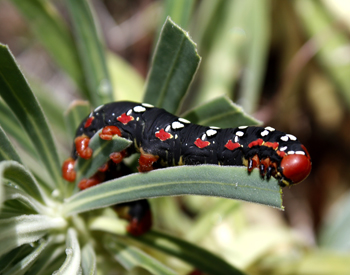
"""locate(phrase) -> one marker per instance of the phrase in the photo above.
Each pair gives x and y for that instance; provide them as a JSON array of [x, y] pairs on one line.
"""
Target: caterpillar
[[163, 140]]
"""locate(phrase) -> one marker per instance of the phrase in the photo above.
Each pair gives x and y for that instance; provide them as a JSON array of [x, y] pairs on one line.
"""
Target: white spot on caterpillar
[[236, 139], [90, 115], [167, 129], [177, 125], [283, 148], [204, 136], [113, 114], [211, 132], [147, 105], [239, 133], [98, 108], [284, 138], [139, 109], [242, 127], [264, 133], [137, 119], [213, 141], [214, 127], [183, 120], [176, 136], [129, 112], [290, 152], [270, 128], [291, 137], [300, 153]]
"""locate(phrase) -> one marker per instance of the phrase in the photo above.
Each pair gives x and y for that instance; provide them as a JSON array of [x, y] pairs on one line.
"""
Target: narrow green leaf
[[22, 178], [202, 259], [50, 29], [9, 258], [126, 81], [23, 265], [17, 94], [12, 127], [12, 193], [255, 54], [88, 260], [190, 253], [76, 112], [130, 257], [7, 152], [208, 180], [101, 150], [91, 52], [174, 64], [25, 229], [220, 112], [72, 263], [48, 261]]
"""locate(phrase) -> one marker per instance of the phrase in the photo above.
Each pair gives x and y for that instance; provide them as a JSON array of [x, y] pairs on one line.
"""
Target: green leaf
[[12, 127], [48, 262], [22, 178], [50, 29], [72, 263], [130, 257], [126, 81], [88, 260], [23, 265], [202, 259], [220, 112], [190, 253], [174, 64], [16, 93], [25, 229], [101, 150], [208, 180], [7, 152], [75, 114], [12, 193], [91, 52]]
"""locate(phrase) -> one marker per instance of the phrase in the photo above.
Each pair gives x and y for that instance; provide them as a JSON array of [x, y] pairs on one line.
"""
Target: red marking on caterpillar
[[88, 122], [281, 153], [124, 118], [109, 131], [162, 135], [273, 145], [68, 172], [257, 142], [82, 147], [232, 146], [201, 143]]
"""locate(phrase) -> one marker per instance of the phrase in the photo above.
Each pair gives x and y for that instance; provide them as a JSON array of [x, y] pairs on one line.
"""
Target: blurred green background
[[286, 62]]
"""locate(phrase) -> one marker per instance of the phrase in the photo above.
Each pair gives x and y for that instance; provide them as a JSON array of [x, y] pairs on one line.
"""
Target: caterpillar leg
[[139, 215], [109, 131], [146, 162], [82, 147], [68, 172]]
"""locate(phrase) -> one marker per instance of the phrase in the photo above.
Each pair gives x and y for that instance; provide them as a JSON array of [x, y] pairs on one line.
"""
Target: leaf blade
[[173, 67]]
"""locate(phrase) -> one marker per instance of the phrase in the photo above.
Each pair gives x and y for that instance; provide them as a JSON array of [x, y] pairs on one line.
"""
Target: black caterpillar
[[163, 140]]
